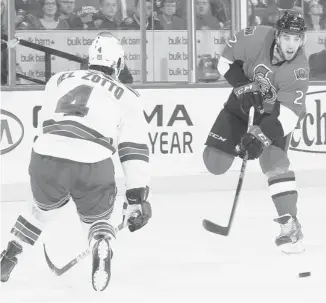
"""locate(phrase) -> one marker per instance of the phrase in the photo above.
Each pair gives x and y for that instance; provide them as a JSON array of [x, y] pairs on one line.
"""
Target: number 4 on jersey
[[74, 102]]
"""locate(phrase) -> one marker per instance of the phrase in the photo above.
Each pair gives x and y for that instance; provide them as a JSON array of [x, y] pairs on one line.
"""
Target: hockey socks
[[284, 194], [25, 231]]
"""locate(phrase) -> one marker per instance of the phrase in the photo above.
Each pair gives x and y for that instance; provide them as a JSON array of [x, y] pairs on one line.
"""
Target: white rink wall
[[179, 121]]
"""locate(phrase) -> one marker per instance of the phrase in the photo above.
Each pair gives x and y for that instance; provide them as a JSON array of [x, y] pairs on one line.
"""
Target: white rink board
[[179, 121]]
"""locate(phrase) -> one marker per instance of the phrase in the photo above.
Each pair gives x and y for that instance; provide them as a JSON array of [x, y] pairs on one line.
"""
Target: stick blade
[[50, 264], [216, 229], [73, 262]]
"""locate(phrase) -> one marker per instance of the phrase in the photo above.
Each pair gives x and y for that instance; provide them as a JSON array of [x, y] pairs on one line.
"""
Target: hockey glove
[[136, 210], [253, 142], [249, 95]]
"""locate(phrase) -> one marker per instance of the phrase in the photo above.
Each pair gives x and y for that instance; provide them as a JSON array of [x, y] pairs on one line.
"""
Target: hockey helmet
[[291, 23], [106, 50]]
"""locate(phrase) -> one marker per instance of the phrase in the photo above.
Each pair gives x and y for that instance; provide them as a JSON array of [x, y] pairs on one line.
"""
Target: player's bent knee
[[217, 161], [43, 215], [274, 161]]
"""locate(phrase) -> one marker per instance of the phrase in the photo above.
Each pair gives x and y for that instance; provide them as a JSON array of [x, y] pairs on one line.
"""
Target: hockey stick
[[224, 230], [73, 262]]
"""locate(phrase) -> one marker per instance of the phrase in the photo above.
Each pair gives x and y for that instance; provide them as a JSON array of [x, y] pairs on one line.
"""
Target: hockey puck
[[304, 274]]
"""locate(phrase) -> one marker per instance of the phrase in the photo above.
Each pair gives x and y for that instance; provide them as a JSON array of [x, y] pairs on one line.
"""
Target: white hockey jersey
[[87, 116]]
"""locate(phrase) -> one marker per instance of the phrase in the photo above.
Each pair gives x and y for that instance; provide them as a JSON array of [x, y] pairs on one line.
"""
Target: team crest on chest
[[261, 77]]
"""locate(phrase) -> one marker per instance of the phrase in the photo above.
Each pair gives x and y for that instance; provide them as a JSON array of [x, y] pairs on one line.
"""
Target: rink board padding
[[179, 121]]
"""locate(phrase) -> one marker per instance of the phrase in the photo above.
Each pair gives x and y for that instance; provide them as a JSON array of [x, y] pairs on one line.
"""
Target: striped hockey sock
[[284, 194], [26, 231], [100, 229]]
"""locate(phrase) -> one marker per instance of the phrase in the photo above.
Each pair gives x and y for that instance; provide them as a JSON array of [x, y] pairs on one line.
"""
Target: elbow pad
[[235, 75]]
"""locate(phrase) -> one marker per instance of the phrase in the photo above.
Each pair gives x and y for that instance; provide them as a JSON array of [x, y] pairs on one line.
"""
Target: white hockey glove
[[136, 209]]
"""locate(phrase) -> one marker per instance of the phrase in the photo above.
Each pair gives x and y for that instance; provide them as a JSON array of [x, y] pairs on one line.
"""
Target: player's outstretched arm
[[134, 158]]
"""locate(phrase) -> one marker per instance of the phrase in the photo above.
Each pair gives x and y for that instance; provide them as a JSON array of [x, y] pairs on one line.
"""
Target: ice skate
[[290, 238], [9, 259], [101, 270]]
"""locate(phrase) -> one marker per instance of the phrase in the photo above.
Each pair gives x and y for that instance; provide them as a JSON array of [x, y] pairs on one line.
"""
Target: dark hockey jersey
[[287, 82]]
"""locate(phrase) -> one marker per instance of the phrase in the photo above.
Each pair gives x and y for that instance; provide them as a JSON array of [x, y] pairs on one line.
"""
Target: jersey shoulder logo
[[249, 31], [261, 77], [301, 73]]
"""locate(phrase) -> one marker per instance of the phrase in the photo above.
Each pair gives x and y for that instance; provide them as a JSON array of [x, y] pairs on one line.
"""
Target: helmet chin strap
[[278, 55]]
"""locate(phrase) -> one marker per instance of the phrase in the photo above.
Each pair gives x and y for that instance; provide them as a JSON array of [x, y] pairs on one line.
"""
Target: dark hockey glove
[[249, 95], [253, 143], [136, 210]]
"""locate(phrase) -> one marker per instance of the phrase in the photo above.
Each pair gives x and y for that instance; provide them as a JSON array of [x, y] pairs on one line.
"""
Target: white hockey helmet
[[106, 50]]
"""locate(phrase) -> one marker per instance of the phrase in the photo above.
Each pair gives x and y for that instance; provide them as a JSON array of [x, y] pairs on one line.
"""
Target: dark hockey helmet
[[291, 23]]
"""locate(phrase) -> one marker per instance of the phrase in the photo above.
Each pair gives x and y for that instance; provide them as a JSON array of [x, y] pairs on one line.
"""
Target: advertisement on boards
[[170, 62], [308, 143], [309, 135], [316, 42], [12, 131], [179, 121], [175, 131]]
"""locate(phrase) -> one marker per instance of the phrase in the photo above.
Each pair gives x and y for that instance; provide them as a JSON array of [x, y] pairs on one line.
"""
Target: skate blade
[[102, 274], [292, 248]]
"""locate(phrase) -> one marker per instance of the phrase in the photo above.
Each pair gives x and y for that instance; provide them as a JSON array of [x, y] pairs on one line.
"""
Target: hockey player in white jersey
[[87, 115]]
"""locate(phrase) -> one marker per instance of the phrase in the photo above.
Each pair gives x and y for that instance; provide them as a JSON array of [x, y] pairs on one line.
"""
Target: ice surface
[[173, 259]]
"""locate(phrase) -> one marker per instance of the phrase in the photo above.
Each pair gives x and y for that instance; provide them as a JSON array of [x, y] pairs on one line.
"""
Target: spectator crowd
[[119, 14], [267, 12], [160, 15]]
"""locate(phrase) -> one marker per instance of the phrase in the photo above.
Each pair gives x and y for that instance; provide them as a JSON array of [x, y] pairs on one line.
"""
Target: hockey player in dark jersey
[[272, 62]]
